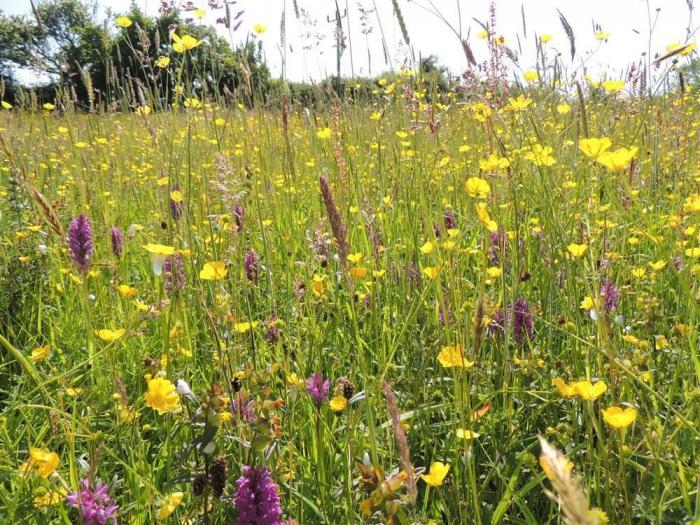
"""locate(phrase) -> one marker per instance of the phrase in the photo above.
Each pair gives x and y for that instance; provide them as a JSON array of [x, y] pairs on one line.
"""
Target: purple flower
[[250, 262], [610, 294], [317, 388], [521, 319], [449, 218], [678, 263], [243, 409], [174, 274], [518, 318], [437, 229], [94, 505], [80, 242], [257, 500], [238, 215], [497, 326], [272, 334], [499, 247], [117, 241]]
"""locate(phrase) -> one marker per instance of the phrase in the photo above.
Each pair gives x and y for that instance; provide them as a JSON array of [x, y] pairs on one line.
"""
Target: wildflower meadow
[[406, 303]]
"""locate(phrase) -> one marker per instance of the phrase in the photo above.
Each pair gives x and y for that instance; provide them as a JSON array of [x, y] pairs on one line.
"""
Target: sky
[[310, 53]]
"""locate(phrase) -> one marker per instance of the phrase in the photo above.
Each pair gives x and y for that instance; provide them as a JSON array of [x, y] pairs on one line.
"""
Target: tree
[[15, 52]]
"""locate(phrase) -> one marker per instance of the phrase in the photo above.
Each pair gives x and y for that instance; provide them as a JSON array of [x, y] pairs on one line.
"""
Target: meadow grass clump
[[217, 313]]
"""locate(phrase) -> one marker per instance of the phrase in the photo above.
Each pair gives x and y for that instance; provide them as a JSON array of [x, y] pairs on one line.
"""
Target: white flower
[[43, 249], [183, 388]]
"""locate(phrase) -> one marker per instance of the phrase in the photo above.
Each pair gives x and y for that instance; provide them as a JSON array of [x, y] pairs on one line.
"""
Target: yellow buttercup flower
[[213, 271], [618, 417], [563, 109], [577, 250], [163, 62], [162, 396], [583, 389], [259, 29], [531, 75], [477, 187], [126, 291], [41, 461], [493, 163], [431, 271], [467, 435], [589, 391], [41, 353], [110, 335], [324, 133], [613, 86], [518, 104], [48, 497], [169, 504], [587, 303], [245, 326], [541, 155], [123, 21], [485, 218], [338, 403], [565, 390], [427, 248], [594, 147], [451, 356], [159, 252], [184, 43], [436, 475], [618, 160], [357, 272], [193, 103]]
